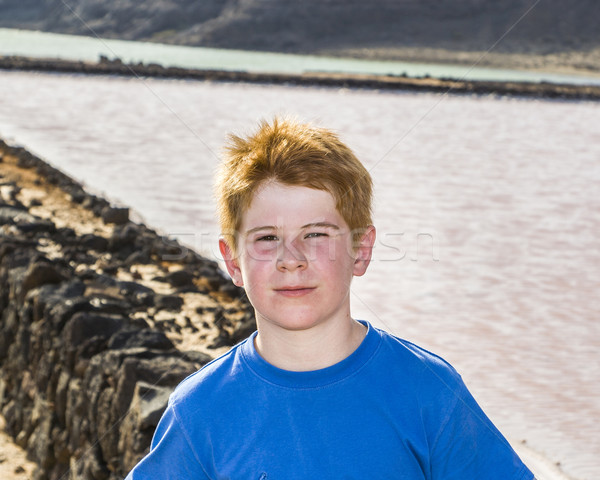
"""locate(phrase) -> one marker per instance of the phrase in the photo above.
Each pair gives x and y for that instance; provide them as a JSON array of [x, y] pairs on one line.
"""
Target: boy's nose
[[290, 259]]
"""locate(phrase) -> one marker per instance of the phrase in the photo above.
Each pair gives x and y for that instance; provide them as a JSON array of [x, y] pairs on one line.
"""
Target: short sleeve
[[171, 455], [470, 446]]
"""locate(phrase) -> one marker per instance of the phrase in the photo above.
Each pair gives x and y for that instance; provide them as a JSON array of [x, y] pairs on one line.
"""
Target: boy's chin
[[295, 324]]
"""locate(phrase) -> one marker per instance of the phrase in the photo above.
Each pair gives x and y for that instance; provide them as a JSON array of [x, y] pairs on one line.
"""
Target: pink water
[[488, 215]]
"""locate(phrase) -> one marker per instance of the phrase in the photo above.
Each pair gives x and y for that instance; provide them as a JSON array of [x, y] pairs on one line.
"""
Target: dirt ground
[[13, 462]]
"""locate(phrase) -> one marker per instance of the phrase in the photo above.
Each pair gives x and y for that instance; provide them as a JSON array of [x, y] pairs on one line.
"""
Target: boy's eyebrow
[[258, 229], [308, 225], [321, 225]]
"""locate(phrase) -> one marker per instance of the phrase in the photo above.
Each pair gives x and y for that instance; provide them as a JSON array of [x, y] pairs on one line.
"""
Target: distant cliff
[[547, 26]]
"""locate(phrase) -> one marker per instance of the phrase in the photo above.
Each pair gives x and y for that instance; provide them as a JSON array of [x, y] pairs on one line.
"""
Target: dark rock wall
[[84, 378]]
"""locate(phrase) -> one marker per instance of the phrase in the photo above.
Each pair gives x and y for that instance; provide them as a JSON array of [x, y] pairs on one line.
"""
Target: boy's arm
[[171, 456], [470, 446]]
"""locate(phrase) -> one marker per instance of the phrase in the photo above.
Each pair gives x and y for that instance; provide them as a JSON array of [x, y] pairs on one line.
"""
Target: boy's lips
[[294, 291]]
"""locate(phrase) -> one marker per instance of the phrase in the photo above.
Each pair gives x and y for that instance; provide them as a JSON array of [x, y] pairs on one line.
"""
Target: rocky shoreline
[[100, 318], [383, 82]]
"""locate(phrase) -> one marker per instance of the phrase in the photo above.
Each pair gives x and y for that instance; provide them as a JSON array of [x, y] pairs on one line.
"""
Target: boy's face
[[295, 257]]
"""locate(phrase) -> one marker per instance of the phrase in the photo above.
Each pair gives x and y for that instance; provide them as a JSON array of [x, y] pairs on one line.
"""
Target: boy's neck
[[312, 349]]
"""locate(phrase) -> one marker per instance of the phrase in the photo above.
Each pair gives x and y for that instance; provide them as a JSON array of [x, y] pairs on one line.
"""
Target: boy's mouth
[[294, 291]]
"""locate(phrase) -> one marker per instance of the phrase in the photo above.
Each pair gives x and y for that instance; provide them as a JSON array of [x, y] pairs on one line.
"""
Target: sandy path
[[13, 463], [542, 467]]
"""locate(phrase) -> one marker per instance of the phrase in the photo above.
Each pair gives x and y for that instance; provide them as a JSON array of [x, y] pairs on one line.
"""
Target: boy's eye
[[316, 235], [267, 238]]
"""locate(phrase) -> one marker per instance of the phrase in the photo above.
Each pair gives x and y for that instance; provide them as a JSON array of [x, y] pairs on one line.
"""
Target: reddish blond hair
[[297, 154]]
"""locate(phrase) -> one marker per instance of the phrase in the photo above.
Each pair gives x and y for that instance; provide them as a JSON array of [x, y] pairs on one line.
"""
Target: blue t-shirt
[[391, 410]]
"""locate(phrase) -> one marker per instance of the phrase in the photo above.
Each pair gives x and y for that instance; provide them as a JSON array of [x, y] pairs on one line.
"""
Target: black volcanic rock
[[85, 367]]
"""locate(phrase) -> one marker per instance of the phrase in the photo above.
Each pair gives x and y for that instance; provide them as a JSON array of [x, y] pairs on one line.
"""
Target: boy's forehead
[[277, 205]]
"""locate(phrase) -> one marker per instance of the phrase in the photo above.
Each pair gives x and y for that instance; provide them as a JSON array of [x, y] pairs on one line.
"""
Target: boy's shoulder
[[211, 377], [391, 360], [417, 362], [411, 352]]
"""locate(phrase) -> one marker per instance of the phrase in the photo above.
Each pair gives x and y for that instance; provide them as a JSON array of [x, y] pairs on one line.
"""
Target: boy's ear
[[231, 262], [364, 251]]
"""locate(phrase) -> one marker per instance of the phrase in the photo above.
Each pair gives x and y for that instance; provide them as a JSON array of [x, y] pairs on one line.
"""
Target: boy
[[315, 394]]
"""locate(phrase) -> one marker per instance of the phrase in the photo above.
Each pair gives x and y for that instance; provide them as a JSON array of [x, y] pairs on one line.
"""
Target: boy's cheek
[[260, 253]]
